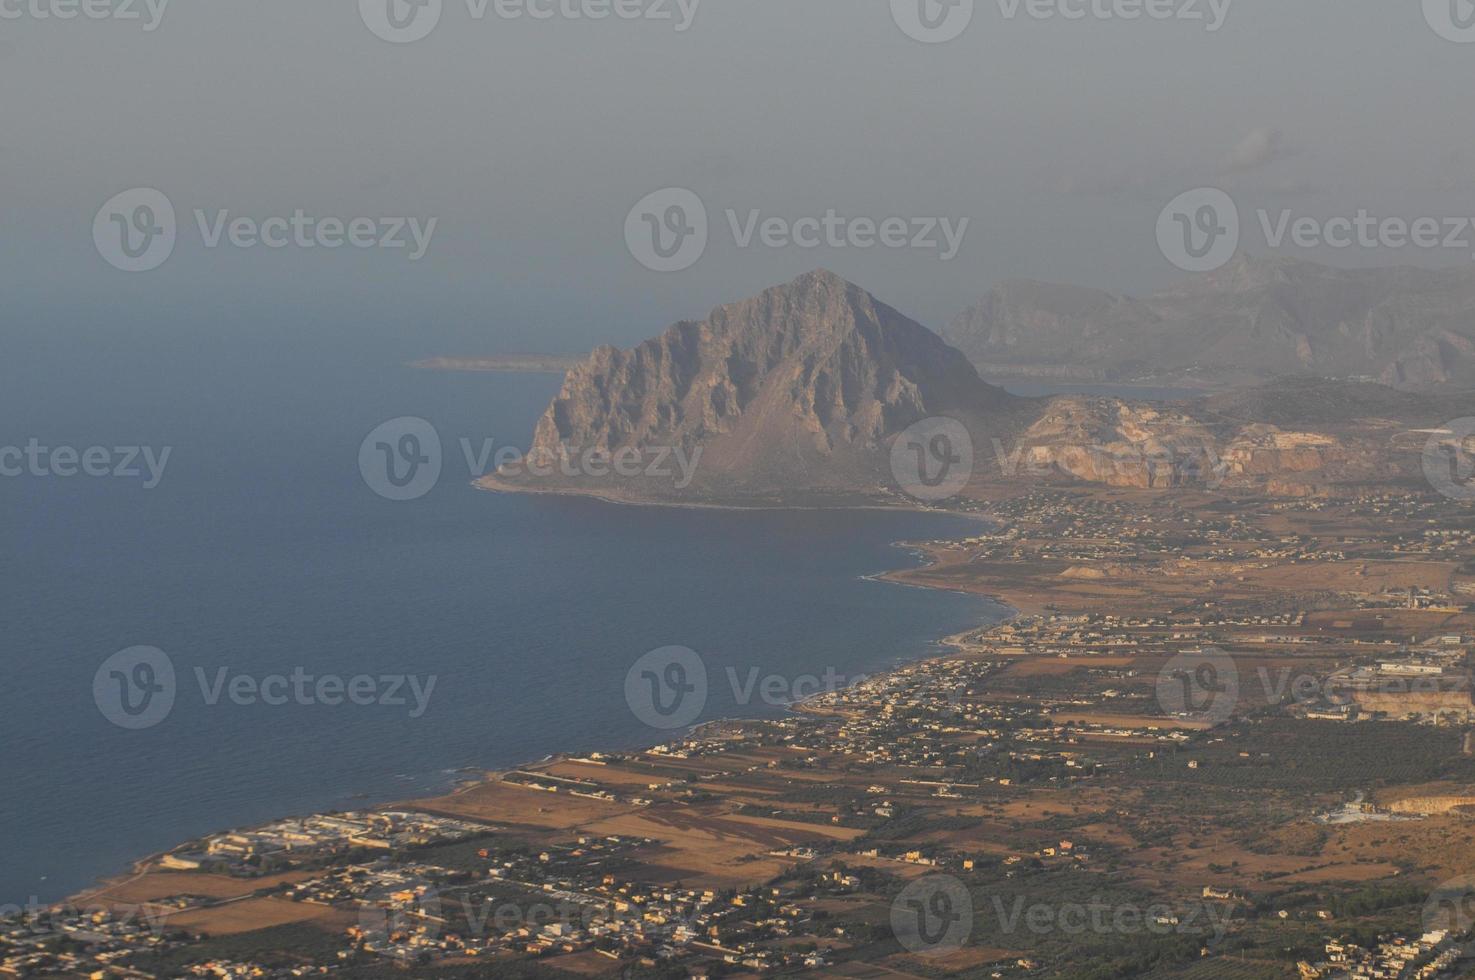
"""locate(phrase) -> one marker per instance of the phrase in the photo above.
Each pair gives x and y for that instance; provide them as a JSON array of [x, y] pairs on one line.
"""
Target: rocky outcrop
[[1118, 443], [1432, 805], [797, 389], [1262, 450], [1106, 440]]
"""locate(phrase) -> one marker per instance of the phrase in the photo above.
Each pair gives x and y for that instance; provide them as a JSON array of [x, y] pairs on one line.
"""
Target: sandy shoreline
[[146, 865]]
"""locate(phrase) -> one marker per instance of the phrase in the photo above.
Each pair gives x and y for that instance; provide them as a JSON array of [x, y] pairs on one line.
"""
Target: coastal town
[[737, 490], [1219, 738]]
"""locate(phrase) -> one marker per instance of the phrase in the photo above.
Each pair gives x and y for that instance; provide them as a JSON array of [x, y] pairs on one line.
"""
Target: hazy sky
[[529, 141]]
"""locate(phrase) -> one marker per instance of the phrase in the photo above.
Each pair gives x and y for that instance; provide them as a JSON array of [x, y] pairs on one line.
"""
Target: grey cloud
[[1259, 148]]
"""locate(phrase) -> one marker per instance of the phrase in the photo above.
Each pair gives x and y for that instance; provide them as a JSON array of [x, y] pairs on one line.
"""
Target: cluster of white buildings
[[295, 840], [1433, 955]]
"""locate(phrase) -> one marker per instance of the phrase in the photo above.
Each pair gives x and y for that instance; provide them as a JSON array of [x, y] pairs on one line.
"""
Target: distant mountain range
[[800, 394], [1253, 320]]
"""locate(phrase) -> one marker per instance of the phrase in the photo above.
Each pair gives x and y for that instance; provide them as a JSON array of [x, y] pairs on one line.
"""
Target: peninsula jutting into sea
[[1228, 726]]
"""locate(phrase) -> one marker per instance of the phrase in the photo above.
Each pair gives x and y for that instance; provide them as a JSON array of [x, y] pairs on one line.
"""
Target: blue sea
[[262, 551]]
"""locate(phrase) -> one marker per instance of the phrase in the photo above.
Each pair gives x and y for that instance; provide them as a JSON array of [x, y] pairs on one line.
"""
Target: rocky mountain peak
[[799, 386]]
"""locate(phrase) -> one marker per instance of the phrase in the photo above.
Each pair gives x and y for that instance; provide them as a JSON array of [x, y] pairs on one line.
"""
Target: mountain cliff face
[[799, 388], [1254, 319], [799, 395]]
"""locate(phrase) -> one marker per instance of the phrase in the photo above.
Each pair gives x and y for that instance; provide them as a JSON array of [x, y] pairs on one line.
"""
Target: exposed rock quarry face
[[800, 387], [1252, 320], [1264, 450], [1103, 440], [1138, 445]]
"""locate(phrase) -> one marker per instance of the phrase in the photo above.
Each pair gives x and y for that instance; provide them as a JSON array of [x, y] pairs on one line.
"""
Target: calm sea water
[[262, 551]]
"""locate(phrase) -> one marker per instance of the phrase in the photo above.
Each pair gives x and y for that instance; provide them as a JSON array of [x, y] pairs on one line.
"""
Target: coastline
[[490, 484], [944, 647]]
